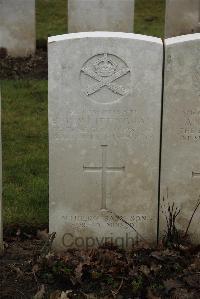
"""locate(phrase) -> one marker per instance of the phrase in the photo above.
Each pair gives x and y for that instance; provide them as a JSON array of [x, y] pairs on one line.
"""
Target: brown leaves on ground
[[41, 292], [141, 273], [60, 294], [43, 234], [106, 272], [172, 284]]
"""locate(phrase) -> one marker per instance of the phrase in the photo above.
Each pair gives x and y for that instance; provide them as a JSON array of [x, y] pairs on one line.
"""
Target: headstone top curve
[[104, 34], [182, 38]]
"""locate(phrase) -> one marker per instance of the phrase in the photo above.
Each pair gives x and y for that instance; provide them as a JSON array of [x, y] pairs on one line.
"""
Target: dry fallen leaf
[[55, 295], [150, 295], [195, 266], [18, 270], [157, 255], [183, 294], [35, 268], [144, 269], [171, 284], [40, 294], [93, 296], [155, 268], [64, 295], [43, 235], [60, 294], [193, 280], [78, 272]]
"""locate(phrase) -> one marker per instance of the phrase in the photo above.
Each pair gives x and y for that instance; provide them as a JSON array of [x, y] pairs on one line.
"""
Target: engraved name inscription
[[102, 124], [190, 131]]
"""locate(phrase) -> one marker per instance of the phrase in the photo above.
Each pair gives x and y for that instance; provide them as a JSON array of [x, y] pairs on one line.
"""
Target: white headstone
[[17, 27], [104, 128], [180, 175], [100, 15], [182, 17]]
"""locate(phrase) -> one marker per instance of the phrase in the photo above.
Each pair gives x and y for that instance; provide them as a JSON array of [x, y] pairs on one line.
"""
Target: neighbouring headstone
[[100, 15], [182, 17], [104, 129], [180, 172], [17, 27]]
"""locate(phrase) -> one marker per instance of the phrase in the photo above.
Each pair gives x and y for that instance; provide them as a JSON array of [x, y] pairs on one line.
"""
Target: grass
[[51, 18], [24, 117], [25, 151], [149, 17]]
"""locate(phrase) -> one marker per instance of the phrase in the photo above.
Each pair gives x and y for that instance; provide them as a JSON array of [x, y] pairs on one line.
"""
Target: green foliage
[[110, 280], [137, 285], [178, 268], [60, 267], [157, 286]]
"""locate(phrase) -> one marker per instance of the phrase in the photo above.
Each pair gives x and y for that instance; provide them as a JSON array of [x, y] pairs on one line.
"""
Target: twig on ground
[[115, 292], [48, 244]]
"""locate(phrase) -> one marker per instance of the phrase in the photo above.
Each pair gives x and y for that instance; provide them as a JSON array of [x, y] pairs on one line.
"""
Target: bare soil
[[31, 67]]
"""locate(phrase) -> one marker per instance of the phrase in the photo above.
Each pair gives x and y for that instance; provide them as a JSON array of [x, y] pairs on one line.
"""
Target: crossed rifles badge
[[105, 71]]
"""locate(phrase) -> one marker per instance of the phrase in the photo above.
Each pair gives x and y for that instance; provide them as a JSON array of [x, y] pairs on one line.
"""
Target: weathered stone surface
[[100, 15], [180, 175], [17, 27], [182, 17], [104, 128]]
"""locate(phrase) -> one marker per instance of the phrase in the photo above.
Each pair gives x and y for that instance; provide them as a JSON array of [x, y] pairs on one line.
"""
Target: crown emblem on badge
[[105, 67]]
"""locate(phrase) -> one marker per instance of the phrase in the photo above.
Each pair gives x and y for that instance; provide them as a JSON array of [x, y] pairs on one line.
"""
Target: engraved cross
[[195, 174], [104, 169]]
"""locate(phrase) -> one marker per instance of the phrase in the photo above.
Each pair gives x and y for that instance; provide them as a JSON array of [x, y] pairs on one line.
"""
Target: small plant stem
[[189, 223]]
